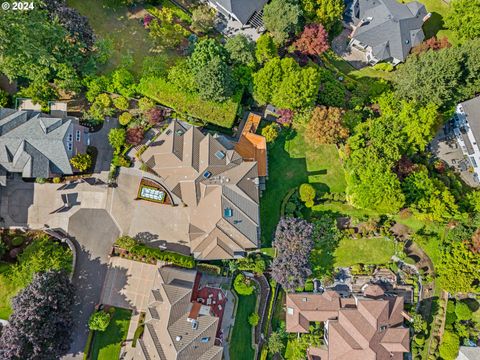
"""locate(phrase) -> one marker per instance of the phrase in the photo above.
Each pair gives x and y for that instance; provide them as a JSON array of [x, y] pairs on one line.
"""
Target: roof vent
[[304, 299], [178, 338], [168, 132], [179, 132]]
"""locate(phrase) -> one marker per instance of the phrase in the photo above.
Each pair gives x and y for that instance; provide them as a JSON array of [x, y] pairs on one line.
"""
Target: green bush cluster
[[142, 250], [209, 268], [243, 285], [165, 93], [99, 321]]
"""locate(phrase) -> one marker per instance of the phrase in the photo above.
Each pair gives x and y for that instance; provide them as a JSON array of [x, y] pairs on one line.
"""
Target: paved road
[[93, 232]]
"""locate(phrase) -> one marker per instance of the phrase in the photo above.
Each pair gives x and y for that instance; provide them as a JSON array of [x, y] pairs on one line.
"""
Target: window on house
[[77, 135], [383, 328], [69, 146], [70, 137]]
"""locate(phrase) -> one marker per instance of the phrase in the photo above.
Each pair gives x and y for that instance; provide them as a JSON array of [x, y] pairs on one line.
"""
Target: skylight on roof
[[220, 155], [228, 212], [207, 174]]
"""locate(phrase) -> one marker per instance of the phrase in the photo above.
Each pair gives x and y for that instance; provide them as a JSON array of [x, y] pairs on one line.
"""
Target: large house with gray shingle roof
[[218, 190], [242, 10], [176, 326], [386, 30], [38, 145]]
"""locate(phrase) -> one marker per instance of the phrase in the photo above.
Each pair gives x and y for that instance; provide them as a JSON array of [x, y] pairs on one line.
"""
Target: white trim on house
[[462, 125]]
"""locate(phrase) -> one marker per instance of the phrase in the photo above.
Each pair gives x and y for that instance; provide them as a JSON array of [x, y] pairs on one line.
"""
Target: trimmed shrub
[[99, 321], [253, 319], [126, 242], [17, 241], [125, 118], [121, 103], [57, 180], [209, 268], [222, 114], [307, 194], [243, 285]]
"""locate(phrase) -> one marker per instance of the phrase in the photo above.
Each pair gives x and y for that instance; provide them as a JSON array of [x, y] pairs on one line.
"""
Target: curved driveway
[[93, 232]]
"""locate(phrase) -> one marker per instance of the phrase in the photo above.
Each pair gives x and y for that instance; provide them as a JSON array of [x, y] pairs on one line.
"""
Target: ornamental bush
[[99, 321], [270, 132], [125, 118], [307, 194], [121, 103], [253, 319], [243, 285]]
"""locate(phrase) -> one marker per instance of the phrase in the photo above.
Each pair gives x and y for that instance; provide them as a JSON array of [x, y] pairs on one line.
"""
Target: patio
[[213, 297]]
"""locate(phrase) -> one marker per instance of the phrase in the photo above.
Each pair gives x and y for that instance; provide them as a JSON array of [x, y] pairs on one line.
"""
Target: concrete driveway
[[99, 139], [93, 232], [15, 200]]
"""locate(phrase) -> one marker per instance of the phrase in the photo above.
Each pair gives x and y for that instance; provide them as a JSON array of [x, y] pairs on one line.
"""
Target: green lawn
[[292, 162], [7, 290], [241, 338], [107, 345], [127, 35], [364, 251], [434, 25]]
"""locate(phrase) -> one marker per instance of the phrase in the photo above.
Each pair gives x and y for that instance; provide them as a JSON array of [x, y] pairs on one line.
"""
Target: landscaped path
[[93, 233]]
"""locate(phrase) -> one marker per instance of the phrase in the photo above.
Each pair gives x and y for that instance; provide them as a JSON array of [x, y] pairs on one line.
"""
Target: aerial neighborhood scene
[[240, 180]]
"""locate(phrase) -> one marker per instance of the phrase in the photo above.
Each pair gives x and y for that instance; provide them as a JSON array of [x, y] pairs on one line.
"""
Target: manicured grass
[[112, 22], [241, 339], [364, 251], [434, 25], [107, 345], [7, 290], [292, 162]]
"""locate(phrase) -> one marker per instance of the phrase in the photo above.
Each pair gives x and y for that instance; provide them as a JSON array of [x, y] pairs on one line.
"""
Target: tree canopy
[[285, 84], [325, 126], [463, 18], [293, 241], [241, 50], [313, 40], [282, 18], [42, 322]]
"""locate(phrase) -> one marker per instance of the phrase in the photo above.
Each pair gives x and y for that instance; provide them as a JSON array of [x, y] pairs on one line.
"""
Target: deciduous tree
[[203, 18], [463, 18], [325, 126], [214, 81], [270, 132], [241, 50], [135, 135], [81, 162], [117, 138], [307, 194], [313, 40], [293, 241], [41, 324], [265, 49], [282, 18]]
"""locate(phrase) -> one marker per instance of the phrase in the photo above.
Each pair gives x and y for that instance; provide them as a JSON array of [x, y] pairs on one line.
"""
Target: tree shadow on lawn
[[433, 25]]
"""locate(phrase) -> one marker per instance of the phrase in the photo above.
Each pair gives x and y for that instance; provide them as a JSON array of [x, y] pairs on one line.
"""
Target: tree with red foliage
[[433, 43], [313, 40], [475, 243], [135, 135], [285, 117], [155, 115], [404, 167]]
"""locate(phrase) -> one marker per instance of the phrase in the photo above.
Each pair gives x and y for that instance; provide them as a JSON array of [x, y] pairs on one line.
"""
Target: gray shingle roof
[[390, 28], [241, 9], [472, 111], [34, 144]]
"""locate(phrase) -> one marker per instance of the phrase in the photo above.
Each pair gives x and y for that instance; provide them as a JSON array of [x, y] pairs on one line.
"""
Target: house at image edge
[[247, 12], [216, 189], [355, 328], [175, 326], [38, 145], [386, 30], [467, 132]]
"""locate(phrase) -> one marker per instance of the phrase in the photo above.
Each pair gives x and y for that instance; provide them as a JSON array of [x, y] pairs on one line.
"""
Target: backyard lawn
[[292, 162], [107, 345], [113, 23], [240, 344], [364, 251], [7, 290]]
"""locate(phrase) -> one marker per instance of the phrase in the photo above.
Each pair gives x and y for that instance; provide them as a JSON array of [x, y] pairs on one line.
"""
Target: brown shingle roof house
[[217, 188], [176, 327], [355, 328]]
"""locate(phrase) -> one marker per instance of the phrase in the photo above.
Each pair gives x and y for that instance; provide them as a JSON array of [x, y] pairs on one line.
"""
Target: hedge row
[[163, 255], [209, 269], [165, 93]]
